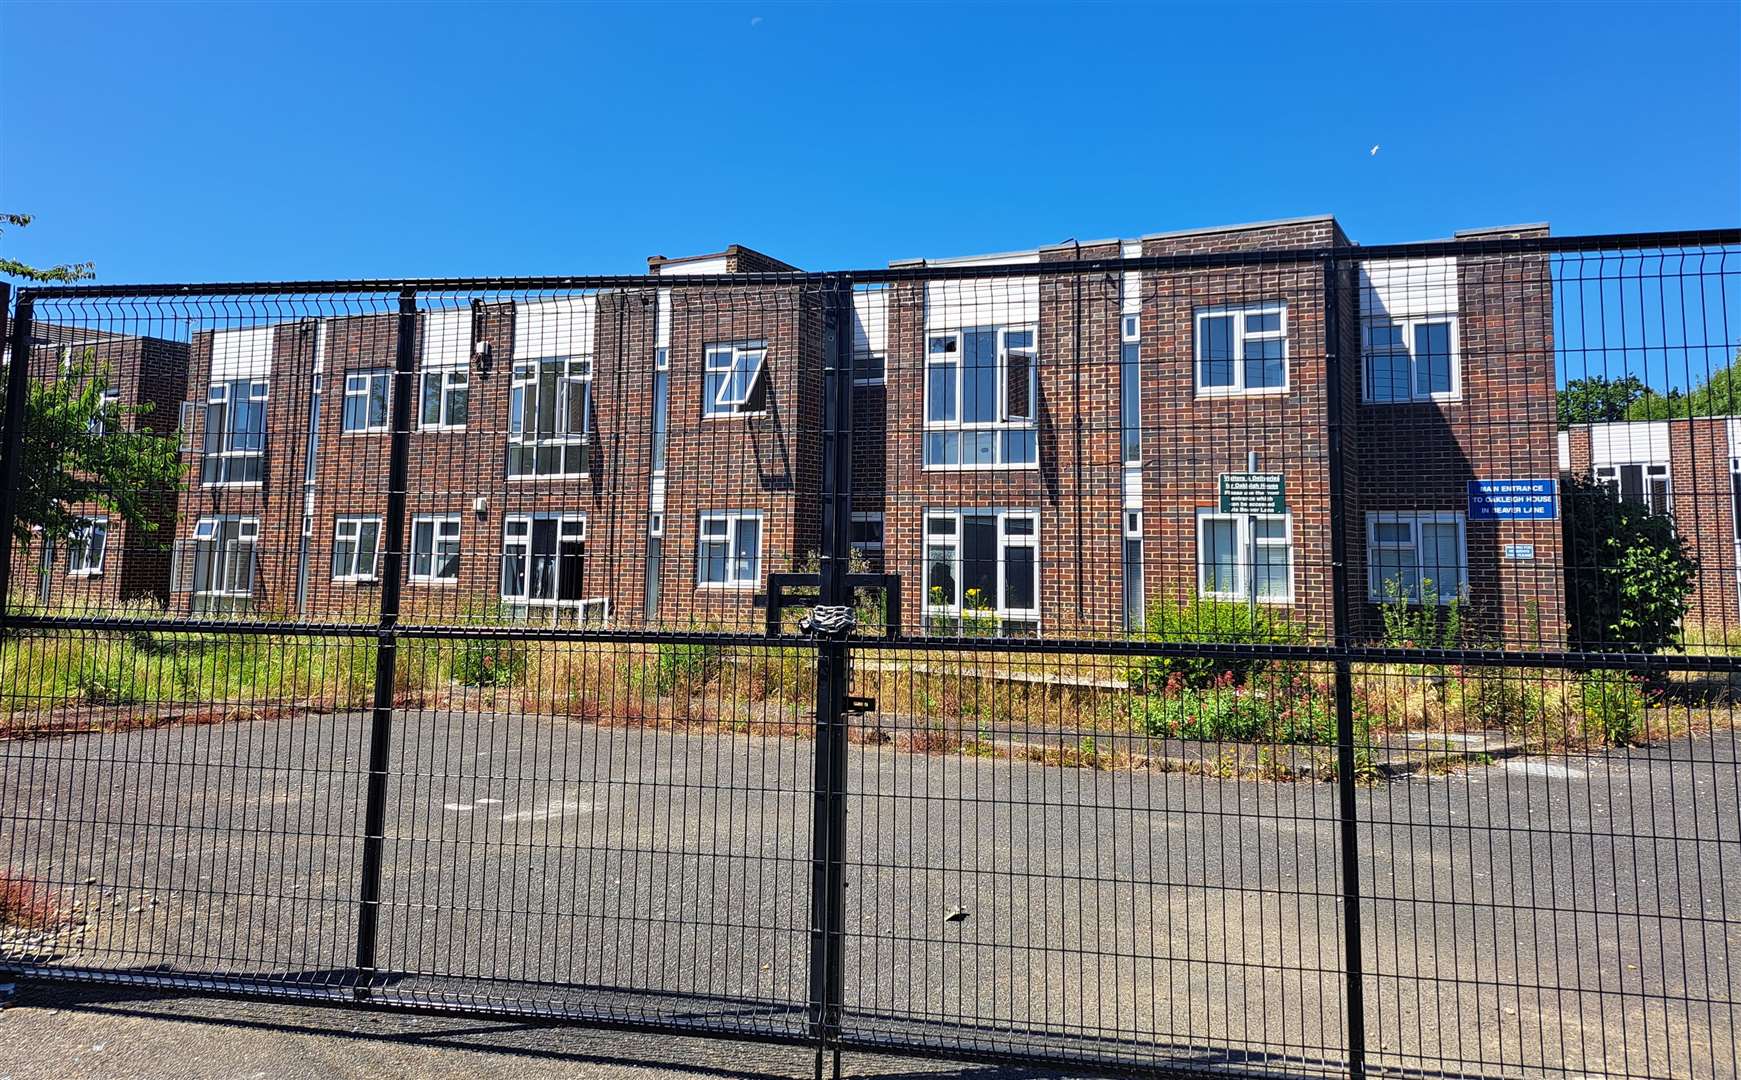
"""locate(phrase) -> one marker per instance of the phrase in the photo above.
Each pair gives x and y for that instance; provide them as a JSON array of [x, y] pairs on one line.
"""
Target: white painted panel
[[657, 504], [447, 337], [560, 327], [714, 265], [1636, 442], [1565, 451], [870, 322], [320, 329], [1735, 436], [663, 330], [242, 354], [956, 305], [1131, 288], [1404, 288], [1133, 487]]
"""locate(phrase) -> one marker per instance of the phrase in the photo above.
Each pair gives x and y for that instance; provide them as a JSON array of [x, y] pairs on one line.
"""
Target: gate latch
[[860, 705]]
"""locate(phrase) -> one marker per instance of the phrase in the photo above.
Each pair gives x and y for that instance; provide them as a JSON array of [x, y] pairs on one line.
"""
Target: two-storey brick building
[[1036, 449]]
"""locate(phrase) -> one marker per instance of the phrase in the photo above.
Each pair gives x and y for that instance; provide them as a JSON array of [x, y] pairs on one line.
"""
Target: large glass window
[[1133, 569], [366, 399], [866, 534], [446, 393], [1237, 551], [543, 556], [1411, 359], [356, 547], [982, 567], [222, 560], [981, 397], [734, 382], [233, 447], [1130, 391], [1641, 483], [435, 548], [661, 406], [550, 417], [1411, 553], [86, 546], [729, 552], [1242, 349]]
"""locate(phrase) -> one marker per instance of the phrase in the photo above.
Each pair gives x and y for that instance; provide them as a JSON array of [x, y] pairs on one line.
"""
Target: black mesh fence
[[1301, 659]]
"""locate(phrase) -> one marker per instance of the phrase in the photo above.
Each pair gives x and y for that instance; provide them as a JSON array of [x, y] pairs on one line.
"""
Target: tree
[[76, 446], [1628, 573], [1597, 398], [64, 273], [1718, 394]]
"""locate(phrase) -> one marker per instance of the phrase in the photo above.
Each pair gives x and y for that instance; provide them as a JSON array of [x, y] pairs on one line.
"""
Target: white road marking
[[1543, 768], [457, 806], [557, 808]]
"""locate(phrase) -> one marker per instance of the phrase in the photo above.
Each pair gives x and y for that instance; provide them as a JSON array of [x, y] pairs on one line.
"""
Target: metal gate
[[1301, 659]]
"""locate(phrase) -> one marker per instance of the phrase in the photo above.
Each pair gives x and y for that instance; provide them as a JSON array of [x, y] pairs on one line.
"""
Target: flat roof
[[1032, 254]]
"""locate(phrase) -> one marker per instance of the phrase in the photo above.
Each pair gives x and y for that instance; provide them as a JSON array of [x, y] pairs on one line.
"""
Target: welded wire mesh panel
[[183, 804], [613, 831], [1046, 864], [1549, 851]]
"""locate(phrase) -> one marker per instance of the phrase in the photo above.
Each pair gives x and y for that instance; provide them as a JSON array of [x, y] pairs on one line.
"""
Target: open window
[[356, 548], [981, 397], [543, 556], [735, 382], [86, 545]]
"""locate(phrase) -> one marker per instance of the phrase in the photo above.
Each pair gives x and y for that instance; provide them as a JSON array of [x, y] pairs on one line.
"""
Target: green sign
[[1253, 493]]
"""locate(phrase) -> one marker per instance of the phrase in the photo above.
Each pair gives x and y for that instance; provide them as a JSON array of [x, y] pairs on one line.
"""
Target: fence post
[[387, 641], [12, 456], [1347, 808], [828, 812]]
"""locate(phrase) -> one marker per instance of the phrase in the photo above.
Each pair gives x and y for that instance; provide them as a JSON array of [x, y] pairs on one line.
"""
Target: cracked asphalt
[[1540, 916]]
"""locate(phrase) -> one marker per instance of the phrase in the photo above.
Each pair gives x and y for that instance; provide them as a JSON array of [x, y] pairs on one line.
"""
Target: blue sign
[[1529, 500]]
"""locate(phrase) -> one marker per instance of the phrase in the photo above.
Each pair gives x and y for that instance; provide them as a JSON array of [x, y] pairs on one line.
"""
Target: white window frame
[[1415, 519], [733, 521], [1238, 313], [208, 530], [79, 547], [1407, 325], [569, 526], [868, 546], [1005, 541], [1243, 553], [720, 403], [108, 398], [576, 370], [451, 377], [353, 523], [1002, 422], [443, 529], [367, 378], [1649, 472], [219, 393]]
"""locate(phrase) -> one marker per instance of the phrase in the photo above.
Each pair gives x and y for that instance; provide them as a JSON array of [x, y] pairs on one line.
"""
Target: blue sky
[[237, 142]]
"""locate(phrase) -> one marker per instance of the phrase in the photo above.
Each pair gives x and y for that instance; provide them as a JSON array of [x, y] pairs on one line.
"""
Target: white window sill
[[1242, 598], [520, 478], [734, 415], [724, 586], [366, 431], [355, 580], [232, 483], [1029, 467], [84, 573], [1212, 393], [1436, 399], [446, 583], [441, 427]]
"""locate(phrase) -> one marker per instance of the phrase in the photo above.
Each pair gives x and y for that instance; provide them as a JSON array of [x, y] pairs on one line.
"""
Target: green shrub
[[1290, 711], [1611, 706], [677, 666], [1628, 573], [1200, 621], [489, 661], [1427, 625]]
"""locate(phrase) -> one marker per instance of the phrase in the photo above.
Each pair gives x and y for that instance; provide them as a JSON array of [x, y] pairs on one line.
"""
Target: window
[[1411, 359], [655, 558], [108, 411], [1242, 350], [729, 554], [734, 383], [222, 562], [1133, 569], [1130, 415], [446, 391], [366, 399], [1237, 551], [184, 425], [869, 369], [1409, 553], [550, 417], [661, 406], [866, 534], [542, 558], [1644, 484], [435, 548], [982, 566], [234, 445], [85, 547], [981, 397], [356, 544]]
